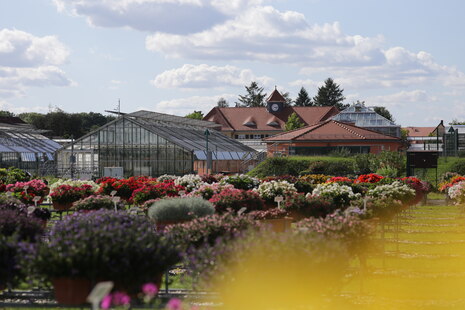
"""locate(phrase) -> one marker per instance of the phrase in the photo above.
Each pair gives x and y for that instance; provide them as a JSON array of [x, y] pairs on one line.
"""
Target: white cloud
[[21, 49], [5, 106], [30, 61], [206, 76], [171, 16], [402, 98], [183, 106], [266, 34]]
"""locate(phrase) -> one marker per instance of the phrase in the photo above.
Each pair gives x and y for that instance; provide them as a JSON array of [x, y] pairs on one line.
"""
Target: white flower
[[269, 190], [76, 183]]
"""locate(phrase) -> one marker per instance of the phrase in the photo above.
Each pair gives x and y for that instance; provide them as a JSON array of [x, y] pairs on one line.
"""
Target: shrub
[[269, 190], [340, 195], [232, 199], [314, 178], [279, 166], [391, 160], [180, 209], [397, 191], [362, 163], [26, 191], [97, 202], [458, 167], [189, 181], [13, 175], [105, 246], [303, 186], [388, 172], [241, 181], [206, 230], [15, 222]]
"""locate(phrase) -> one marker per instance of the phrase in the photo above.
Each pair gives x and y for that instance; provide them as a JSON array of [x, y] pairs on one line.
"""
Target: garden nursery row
[[131, 231]]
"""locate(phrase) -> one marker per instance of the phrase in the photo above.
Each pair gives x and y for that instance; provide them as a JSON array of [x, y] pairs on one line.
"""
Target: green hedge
[[298, 165]]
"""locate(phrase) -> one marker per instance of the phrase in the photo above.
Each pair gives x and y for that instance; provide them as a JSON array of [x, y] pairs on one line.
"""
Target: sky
[[180, 56]]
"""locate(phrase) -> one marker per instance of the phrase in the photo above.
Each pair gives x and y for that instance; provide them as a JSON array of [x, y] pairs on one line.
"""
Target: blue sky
[[177, 56]]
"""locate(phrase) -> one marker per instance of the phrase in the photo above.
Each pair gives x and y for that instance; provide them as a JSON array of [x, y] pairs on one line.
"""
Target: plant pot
[[62, 206], [278, 225], [71, 291]]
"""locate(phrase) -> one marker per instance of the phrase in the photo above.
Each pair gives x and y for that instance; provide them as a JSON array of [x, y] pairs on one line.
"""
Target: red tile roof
[[330, 130], [275, 96], [234, 118], [419, 131]]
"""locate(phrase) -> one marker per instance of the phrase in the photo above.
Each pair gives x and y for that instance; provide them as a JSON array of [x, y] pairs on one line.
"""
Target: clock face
[[274, 107]]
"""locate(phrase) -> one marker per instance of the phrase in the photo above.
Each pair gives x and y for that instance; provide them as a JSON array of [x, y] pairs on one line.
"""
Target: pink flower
[[106, 302], [174, 304], [150, 289], [121, 299]]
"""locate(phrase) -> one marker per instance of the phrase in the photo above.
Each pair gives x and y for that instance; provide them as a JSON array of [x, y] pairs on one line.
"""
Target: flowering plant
[[105, 245], [288, 178], [68, 193], [206, 191], [123, 187], [343, 180], [314, 178], [269, 190], [26, 191], [341, 195], [208, 229], [15, 222], [241, 181], [383, 208], [97, 202], [189, 181], [270, 214], [444, 186], [153, 191], [369, 178], [74, 183], [232, 199], [166, 177], [457, 192], [308, 205], [211, 178], [397, 191]]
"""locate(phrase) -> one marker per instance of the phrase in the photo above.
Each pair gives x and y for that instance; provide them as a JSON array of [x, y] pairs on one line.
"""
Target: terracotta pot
[[71, 291], [278, 225], [62, 206]]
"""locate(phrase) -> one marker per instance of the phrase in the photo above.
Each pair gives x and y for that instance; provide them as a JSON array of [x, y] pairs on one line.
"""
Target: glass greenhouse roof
[[363, 116], [27, 142]]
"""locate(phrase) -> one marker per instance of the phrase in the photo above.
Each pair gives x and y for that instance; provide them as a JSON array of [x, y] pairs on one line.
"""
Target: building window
[[241, 136]]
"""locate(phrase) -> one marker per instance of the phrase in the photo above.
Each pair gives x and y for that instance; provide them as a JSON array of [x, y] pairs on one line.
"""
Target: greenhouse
[[23, 146], [362, 116], [152, 144]]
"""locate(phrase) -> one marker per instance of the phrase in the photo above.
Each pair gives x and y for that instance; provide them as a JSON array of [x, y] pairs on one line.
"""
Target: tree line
[[61, 124]]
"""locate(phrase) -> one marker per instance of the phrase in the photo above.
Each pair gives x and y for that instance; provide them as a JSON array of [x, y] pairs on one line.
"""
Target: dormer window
[[273, 123], [250, 122]]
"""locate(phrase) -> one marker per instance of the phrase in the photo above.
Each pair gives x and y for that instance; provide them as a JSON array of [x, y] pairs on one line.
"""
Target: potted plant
[[300, 206], [103, 246], [396, 191], [155, 190], [26, 191], [269, 190], [189, 181], [64, 195], [241, 181], [97, 202], [340, 195], [276, 219], [232, 199], [179, 209]]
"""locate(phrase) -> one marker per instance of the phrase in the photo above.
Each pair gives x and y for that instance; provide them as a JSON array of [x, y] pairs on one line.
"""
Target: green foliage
[[222, 103], [388, 172], [456, 122], [180, 209], [362, 163], [330, 95], [288, 99], [300, 165], [254, 97], [6, 114], [303, 100], [389, 160], [384, 113], [458, 167], [195, 115], [293, 122], [13, 175], [62, 124]]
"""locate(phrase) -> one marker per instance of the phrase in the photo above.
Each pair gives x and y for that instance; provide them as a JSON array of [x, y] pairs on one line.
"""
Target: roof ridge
[[315, 126], [349, 129]]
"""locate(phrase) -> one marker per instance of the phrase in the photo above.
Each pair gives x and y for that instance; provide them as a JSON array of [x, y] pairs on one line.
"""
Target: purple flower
[[174, 304], [106, 302], [150, 289]]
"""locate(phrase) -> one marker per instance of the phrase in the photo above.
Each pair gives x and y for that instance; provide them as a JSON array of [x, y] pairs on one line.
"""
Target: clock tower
[[275, 102]]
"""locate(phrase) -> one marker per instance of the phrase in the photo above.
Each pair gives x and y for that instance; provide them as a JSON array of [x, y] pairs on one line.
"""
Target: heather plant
[[15, 222], [241, 181], [232, 199], [207, 230], [105, 246], [206, 191], [180, 209], [97, 202], [353, 232]]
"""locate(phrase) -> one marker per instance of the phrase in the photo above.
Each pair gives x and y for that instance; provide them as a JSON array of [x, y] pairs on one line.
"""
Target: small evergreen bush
[[180, 209]]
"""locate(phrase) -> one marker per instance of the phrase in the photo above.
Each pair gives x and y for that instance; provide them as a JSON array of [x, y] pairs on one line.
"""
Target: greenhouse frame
[[151, 144], [362, 116], [23, 146]]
